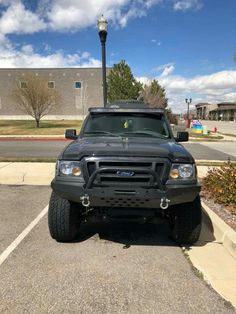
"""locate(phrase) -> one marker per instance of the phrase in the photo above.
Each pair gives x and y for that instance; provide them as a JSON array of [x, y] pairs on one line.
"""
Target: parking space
[[19, 206], [111, 268]]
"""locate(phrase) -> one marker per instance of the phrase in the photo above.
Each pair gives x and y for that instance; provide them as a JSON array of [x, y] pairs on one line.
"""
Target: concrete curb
[[221, 231]]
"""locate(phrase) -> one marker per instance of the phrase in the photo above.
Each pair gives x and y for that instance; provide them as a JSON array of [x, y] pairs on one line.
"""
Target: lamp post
[[102, 31], [188, 102]]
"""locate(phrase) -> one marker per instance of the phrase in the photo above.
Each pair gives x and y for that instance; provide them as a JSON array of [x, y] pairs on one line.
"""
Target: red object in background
[[215, 129], [188, 122]]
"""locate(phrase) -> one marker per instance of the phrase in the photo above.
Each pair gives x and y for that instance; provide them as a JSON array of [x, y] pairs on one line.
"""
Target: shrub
[[220, 183]]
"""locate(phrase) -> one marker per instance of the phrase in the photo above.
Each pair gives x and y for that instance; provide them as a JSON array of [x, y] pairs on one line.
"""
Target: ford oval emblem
[[125, 173]]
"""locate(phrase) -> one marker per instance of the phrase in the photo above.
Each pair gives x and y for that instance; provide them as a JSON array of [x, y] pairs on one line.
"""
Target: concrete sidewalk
[[36, 173], [214, 254], [33, 138], [40, 173]]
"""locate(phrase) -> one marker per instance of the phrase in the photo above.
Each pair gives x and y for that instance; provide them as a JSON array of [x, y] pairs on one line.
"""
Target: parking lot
[[110, 268]]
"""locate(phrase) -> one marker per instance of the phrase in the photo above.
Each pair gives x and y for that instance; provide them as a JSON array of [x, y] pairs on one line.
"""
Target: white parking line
[[21, 237]]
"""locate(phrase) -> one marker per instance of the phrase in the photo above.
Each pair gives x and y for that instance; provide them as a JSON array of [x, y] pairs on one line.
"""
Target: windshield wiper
[[146, 133], [102, 132]]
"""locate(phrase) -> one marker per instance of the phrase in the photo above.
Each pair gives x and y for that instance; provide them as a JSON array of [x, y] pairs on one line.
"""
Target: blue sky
[[188, 45]]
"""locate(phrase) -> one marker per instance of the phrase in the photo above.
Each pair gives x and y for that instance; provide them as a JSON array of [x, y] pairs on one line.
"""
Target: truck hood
[[132, 146]]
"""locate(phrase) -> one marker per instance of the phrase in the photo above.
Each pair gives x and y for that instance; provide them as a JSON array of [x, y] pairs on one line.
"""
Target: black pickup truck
[[125, 164]]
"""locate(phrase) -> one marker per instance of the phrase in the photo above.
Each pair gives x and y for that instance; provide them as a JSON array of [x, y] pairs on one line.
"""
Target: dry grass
[[47, 127]]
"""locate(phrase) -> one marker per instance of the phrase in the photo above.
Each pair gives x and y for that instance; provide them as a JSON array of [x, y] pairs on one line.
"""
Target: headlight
[[69, 168], [182, 171]]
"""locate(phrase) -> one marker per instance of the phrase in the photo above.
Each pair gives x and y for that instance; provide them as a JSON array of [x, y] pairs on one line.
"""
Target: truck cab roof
[[127, 106]]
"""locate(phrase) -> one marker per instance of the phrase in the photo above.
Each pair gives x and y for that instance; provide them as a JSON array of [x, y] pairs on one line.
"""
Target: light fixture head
[[188, 100], [102, 24]]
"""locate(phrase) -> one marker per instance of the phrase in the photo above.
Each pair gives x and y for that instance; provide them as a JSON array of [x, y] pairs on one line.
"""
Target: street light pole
[[188, 102], [102, 31]]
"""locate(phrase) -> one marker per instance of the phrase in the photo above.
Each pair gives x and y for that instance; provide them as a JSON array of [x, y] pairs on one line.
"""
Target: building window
[[51, 84], [23, 84], [77, 84]]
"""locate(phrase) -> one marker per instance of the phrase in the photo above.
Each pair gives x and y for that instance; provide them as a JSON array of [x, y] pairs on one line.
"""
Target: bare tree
[[35, 97], [154, 95], [85, 97]]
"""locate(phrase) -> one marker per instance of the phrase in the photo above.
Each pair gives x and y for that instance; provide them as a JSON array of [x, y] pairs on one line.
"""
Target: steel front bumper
[[128, 197]]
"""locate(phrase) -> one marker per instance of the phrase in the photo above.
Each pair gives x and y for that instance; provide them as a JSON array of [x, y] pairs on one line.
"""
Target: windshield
[[146, 125]]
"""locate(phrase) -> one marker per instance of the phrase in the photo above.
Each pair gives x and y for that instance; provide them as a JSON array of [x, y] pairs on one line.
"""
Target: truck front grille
[[140, 176]]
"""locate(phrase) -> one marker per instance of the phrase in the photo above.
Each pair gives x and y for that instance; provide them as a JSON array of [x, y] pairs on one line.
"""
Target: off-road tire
[[186, 222], [63, 219]]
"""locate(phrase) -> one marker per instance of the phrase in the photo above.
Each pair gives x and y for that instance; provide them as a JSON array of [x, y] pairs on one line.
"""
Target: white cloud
[[72, 15], [26, 57], [144, 80], [154, 41], [216, 82], [185, 5], [166, 69], [17, 19], [8, 2], [213, 88], [133, 12]]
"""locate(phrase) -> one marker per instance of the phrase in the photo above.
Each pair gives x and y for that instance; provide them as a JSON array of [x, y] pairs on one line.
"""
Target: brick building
[[79, 88]]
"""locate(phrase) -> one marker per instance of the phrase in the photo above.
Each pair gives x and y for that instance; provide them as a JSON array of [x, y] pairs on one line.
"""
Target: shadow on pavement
[[134, 233]]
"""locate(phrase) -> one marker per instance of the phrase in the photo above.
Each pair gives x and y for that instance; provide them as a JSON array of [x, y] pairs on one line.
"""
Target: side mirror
[[182, 137], [71, 134]]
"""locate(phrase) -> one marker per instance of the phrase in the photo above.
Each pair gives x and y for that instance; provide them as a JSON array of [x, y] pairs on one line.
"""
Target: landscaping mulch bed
[[224, 212]]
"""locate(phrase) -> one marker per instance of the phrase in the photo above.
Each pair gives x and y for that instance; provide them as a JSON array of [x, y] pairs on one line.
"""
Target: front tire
[[186, 222], [63, 219]]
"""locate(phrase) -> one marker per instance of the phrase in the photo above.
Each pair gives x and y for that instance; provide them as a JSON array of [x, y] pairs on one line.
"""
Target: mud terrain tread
[[62, 219]]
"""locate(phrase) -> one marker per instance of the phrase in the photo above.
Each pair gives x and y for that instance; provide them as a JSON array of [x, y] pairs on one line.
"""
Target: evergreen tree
[[121, 83]]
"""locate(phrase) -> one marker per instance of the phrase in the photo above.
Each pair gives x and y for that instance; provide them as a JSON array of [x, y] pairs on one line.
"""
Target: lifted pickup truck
[[125, 164]]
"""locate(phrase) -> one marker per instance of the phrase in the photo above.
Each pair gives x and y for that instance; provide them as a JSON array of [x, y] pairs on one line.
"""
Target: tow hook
[[164, 203], [86, 203], [85, 200]]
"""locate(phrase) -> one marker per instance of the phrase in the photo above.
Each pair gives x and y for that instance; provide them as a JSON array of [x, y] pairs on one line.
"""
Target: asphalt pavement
[[110, 268], [229, 147], [210, 151], [37, 149]]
